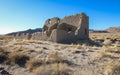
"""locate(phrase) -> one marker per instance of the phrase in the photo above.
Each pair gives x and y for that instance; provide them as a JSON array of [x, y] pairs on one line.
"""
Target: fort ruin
[[68, 29]]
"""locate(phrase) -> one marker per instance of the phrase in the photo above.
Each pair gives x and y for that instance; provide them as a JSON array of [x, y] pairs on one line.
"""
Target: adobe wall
[[36, 36], [68, 29], [83, 31], [72, 20], [23, 36]]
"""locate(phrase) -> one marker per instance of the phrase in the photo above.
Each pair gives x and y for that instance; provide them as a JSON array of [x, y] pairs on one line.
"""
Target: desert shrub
[[107, 42], [117, 44], [53, 69], [54, 57], [17, 49], [18, 58], [96, 42], [76, 46], [62, 47], [84, 72], [34, 63], [3, 54], [112, 68], [1, 49], [2, 58], [116, 70], [7, 38]]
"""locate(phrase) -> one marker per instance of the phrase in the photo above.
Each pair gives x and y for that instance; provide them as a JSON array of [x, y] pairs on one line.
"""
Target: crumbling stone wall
[[37, 36], [23, 36], [68, 29]]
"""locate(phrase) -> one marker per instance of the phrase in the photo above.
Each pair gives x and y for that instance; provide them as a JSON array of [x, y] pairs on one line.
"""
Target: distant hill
[[97, 31], [108, 30], [113, 29], [30, 31], [1, 34]]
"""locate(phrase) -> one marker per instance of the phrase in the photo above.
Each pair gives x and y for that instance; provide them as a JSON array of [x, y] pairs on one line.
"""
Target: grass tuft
[[53, 69]]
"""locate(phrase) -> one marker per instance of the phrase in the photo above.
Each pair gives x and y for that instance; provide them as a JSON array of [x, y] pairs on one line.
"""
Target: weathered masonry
[[68, 29]]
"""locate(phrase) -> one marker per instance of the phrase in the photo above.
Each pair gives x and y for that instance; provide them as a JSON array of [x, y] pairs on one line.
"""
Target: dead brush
[[6, 38], [3, 54], [54, 57], [111, 49], [112, 68], [107, 42], [17, 58], [21, 42], [107, 49], [103, 55], [76, 46], [117, 44], [17, 49], [53, 69], [110, 53], [62, 47], [33, 63], [21, 49], [30, 41], [83, 72]]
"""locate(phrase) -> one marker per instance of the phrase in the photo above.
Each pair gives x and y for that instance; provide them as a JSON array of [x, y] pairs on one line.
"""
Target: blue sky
[[17, 15]]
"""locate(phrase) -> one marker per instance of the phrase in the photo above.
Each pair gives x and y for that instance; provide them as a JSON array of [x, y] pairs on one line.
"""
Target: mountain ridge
[[113, 29], [29, 31]]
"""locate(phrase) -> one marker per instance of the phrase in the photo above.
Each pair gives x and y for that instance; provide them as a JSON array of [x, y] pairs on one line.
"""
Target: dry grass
[[83, 72], [109, 55], [107, 42], [54, 57], [105, 38], [21, 43], [17, 49], [17, 58], [54, 60], [62, 47], [104, 35], [33, 63], [117, 44], [6, 39], [2, 49], [75, 46], [53, 69], [3, 54], [111, 68], [110, 52]]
